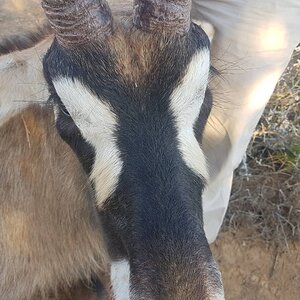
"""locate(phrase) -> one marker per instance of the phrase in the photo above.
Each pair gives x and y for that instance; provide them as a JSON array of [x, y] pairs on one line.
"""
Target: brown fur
[[50, 240], [50, 236], [135, 52]]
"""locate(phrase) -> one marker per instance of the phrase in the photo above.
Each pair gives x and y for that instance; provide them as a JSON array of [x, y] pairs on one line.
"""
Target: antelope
[[104, 177]]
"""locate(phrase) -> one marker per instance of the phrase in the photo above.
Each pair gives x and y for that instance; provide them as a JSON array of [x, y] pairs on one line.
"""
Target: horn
[[158, 15], [78, 22]]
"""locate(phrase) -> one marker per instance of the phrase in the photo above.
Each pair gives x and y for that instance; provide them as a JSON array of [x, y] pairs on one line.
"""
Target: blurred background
[[258, 248], [259, 244]]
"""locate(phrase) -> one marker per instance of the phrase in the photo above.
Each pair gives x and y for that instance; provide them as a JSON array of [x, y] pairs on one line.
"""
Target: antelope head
[[129, 87]]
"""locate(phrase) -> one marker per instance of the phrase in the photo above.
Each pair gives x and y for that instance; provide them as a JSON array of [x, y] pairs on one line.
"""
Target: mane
[[24, 41]]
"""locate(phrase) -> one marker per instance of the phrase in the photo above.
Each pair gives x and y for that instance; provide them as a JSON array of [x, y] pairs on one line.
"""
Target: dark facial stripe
[[69, 132], [203, 115]]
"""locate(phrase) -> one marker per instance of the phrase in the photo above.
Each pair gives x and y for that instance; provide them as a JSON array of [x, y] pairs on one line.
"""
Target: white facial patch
[[97, 123], [120, 274], [186, 102]]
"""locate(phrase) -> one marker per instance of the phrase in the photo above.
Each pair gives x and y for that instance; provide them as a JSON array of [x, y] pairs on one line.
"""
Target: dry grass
[[266, 190]]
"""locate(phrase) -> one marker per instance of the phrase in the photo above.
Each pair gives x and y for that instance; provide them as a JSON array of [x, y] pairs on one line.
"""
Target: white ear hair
[[207, 27]]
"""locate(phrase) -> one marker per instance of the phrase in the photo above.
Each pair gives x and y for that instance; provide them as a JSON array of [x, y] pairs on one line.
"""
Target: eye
[[64, 110], [55, 100]]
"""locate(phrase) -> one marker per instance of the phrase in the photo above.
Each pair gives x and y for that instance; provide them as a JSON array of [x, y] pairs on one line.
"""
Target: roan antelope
[[128, 94]]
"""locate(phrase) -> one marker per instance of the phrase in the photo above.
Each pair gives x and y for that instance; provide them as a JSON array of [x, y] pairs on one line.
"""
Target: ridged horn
[[78, 22], [162, 15]]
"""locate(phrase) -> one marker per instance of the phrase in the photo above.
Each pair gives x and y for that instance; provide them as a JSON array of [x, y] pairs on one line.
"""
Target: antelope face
[[129, 97]]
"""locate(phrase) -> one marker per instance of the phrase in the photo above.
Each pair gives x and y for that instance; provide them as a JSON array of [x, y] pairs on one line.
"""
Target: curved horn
[[78, 21], [171, 15]]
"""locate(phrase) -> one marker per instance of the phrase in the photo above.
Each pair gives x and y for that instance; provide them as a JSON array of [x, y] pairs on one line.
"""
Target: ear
[[207, 27], [22, 80]]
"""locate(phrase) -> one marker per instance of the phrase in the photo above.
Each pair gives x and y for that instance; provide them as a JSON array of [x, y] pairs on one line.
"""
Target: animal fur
[[50, 236]]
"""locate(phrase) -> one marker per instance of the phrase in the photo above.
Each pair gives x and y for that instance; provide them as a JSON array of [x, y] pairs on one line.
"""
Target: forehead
[[133, 57]]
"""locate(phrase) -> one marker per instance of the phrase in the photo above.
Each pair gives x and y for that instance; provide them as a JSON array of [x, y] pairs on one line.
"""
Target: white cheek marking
[[120, 274], [97, 123], [186, 102]]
